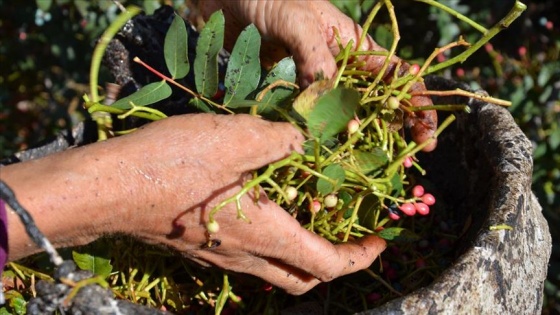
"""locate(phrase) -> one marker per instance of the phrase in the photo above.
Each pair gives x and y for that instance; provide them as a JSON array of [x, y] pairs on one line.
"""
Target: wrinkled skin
[[305, 28], [158, 184]]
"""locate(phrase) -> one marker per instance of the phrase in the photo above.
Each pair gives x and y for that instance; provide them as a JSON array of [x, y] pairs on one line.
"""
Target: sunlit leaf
[[210, 42], [285, 70], [244, 67], [98, 265], [307, 99], [147, 95], [332, 113], [334, 172], [175, 49]]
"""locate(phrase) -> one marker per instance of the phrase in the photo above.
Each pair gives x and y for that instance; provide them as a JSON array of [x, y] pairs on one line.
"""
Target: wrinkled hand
[[191, 163], [306, 29]]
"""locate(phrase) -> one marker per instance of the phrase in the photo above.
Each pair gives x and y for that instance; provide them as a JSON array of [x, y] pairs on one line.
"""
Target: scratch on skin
[[150, 178]]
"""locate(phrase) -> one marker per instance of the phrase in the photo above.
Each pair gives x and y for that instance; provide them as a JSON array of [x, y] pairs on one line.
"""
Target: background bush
[[45, 51]]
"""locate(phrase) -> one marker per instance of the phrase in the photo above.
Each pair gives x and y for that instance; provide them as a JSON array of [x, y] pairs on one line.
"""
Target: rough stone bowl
[[483, 166]]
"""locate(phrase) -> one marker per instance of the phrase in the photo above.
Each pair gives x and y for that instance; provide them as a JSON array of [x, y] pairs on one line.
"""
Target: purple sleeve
[[3, 236]]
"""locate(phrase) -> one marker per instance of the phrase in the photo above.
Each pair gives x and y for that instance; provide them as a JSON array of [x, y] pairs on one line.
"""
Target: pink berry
[[394, 216], [408, 209], [414, 69], [460, 72], [489, 47], [422, 208], [315, 206], [549, 25], [418, 191], [353, 126], [429, 199], [407, 162], [522, 51]]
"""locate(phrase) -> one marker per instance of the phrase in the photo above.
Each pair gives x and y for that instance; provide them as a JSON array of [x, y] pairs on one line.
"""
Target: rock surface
[[500, 270]]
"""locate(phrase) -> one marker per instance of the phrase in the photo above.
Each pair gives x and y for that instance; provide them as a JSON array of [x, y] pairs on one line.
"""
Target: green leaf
[[554, 139], [396, 184], [150, 6], [175, 49], [383, 36], [43, 5], [147, 95], [16, 303], [244, 67], [398, 234], [244, 103], [371, 160], [98, 265], [307, 99], [285, 70], [332, 113], [210, 42], [200, 105], [368, 211], [335, 172]]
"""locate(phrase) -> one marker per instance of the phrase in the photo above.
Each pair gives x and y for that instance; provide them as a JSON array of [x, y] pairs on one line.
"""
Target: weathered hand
[[306, 29], [190, 163], [159, 183]]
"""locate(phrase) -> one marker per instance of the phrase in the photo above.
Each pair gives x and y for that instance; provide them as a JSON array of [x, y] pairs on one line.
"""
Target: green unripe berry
[[213, 227], [393, 102], [330, 201]]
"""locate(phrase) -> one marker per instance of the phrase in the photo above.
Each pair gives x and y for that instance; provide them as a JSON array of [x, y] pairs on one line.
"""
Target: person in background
[[158, 183]]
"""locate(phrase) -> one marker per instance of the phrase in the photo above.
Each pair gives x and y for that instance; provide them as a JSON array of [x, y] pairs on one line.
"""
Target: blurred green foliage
[[46, 46]]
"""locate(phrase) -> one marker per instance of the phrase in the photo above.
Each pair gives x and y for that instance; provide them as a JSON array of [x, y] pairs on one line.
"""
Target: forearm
[[68, 196]]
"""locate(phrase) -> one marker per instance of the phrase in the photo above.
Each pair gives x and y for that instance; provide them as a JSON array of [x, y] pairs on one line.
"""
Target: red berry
[[394, 216], [420, 263], [418, 191], [422, 208], [407, 162], [373, 297], [429, 199], [522, 51], [460, 72], [408, 209], [267, 287]]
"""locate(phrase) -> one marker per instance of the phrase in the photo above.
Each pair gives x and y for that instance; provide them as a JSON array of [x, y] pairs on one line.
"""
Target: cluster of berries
[[420, 205]]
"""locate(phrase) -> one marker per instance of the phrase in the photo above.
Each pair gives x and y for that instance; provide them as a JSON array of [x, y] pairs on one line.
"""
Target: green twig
[[99, 50], [456, 14], [515, 12]]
